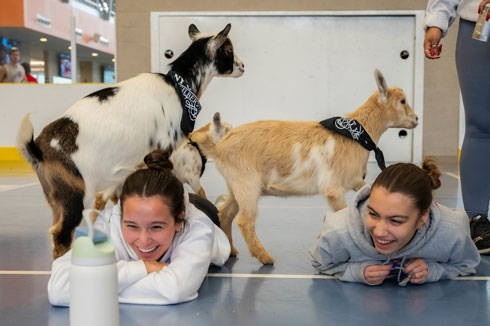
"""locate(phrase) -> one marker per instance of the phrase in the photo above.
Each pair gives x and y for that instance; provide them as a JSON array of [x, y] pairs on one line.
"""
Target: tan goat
[[285, 158], [187, 160]]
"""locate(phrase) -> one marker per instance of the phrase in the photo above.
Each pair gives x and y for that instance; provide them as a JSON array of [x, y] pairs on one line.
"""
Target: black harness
[[189, 101], [352, 129], [203, 157]]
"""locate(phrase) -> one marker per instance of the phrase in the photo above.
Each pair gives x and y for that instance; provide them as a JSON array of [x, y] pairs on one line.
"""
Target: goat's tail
[[206, 143], [25, 142]]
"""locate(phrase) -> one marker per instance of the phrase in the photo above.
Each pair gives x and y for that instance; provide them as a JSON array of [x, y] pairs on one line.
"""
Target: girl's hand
[[154, 266], [418, 270], [480, 7], [432, 49], [376, 274]]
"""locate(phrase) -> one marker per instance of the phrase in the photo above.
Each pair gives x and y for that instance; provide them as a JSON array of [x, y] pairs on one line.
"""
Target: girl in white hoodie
[[394, 229], [163, 244]]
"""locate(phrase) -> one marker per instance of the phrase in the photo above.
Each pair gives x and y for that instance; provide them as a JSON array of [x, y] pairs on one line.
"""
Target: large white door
[[302, 66]]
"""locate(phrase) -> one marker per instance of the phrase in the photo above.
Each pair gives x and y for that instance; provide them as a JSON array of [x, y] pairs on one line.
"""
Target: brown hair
[[156, 180], [409, 179], [13, 49]]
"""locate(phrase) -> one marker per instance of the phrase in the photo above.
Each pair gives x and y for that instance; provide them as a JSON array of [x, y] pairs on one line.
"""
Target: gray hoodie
[[344, 247]]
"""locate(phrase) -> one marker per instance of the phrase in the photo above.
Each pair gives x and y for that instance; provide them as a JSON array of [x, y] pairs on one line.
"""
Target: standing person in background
[[13, 72], [27, 69], [3, 55], [473, 66]]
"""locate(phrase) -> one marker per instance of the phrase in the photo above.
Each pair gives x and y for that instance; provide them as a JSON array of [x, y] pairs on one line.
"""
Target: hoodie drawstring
[[401, 281]]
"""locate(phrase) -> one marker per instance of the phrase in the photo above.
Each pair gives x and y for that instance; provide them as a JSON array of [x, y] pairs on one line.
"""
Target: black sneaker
[[480, 233]]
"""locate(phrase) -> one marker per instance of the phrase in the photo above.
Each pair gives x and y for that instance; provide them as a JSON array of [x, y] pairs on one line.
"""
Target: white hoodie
[[199, 244], [442, 13]]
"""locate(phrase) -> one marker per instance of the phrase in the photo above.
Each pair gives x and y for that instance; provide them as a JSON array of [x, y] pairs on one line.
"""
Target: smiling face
[[148, 227], [392, 220]]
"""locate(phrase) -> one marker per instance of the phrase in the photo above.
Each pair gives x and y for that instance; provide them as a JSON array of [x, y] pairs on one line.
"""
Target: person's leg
[[473, 66], [205, 206]]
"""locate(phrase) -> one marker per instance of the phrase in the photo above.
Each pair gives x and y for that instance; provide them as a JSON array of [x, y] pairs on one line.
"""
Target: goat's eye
[[229, 51], [402, 101]]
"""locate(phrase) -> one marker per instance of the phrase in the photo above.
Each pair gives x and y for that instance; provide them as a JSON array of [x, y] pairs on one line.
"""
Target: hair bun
[[430, 167], [159, 159]]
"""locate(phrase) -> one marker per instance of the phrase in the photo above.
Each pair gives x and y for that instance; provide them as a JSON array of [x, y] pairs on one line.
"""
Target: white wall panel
[[45, 103], [305, 66]]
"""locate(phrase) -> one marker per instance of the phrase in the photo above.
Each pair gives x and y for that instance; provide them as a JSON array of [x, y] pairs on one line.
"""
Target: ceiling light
[[69, 48], [43, 39], [113, 60], [36, 63], [94, 54]]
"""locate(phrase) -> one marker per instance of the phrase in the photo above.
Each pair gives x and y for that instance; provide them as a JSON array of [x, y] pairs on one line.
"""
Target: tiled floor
[[243, 292]]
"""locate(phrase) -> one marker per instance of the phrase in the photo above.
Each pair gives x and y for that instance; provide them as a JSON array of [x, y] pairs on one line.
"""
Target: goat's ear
[[225, 31], [220, 38], [217, 120], [193, 32], [382, 86]]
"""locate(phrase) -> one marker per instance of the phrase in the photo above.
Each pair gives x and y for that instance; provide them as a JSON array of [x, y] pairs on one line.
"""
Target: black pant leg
[[205, 206]]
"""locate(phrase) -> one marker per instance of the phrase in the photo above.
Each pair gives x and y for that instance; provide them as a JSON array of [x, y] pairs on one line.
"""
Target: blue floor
[[243, 292]]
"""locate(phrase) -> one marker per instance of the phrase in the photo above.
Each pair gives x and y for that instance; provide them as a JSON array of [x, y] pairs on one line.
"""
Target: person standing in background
[[473, 66], [3, 55], [13, 72]]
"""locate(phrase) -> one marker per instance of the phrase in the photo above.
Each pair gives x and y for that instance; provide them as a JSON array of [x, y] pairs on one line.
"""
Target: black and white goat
[[99, 141]]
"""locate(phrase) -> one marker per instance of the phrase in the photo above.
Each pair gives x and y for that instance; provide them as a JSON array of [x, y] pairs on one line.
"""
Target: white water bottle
[[93, 280]]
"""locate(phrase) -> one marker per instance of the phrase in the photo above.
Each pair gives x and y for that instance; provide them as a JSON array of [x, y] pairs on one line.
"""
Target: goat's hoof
[[266, 259], [233, 252]]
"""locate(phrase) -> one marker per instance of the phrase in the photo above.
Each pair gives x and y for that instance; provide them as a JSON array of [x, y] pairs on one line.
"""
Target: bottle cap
[[83, 231], [86, 252]]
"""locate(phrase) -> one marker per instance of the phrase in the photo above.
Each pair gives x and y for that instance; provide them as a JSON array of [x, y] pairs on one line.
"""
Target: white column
[[74, 72]]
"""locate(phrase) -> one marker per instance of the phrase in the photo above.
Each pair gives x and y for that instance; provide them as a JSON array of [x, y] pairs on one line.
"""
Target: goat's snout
[[415, 121], [240, 66]]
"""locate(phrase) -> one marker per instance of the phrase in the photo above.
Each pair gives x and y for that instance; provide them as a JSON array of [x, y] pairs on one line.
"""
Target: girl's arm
[[441, 14], [335, 261], [59, 282], [181, 279], [463, 260]]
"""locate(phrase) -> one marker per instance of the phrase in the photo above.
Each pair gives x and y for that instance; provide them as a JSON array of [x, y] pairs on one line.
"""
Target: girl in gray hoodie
[[394, 229]]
